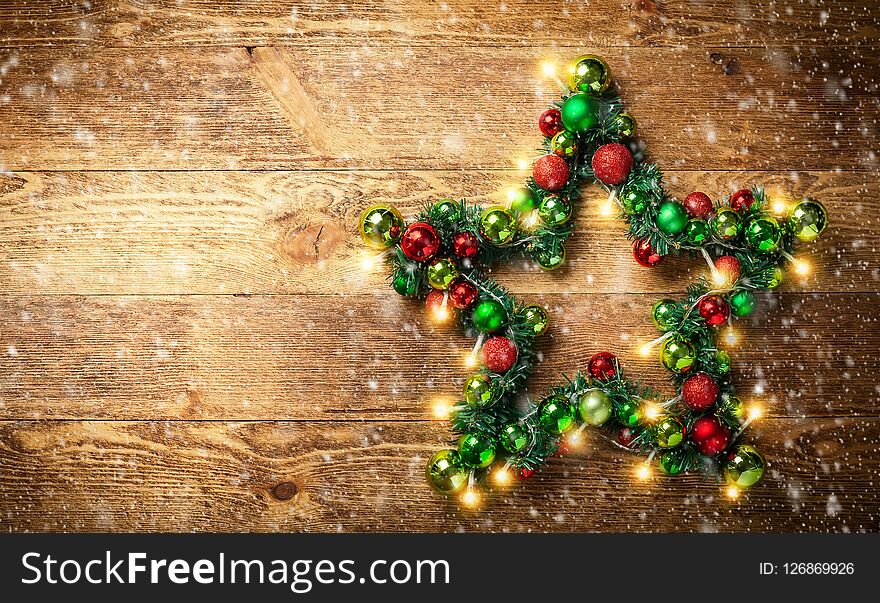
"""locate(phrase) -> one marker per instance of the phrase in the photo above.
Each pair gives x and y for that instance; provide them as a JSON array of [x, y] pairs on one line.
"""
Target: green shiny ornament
[[448, 209], [579, 113], [672, 462], [745, 467], [551, 259], [564, 144], [725, 224], [732, 405], [669, 432], [807, 219], [380, 226], [589, 73], [697, 232], [763, 234], [661, 314], [635, 201], [742, 303], [776, 278], [523, 200], [446, 473], [629, 413], [722, 362], [497, 225], [536, 318], [476, 450], [489, 316], [556, 415], [479, 391], [554, 210], [514, 438], [441, 273], [625, 125], [594, 407], [678, 355], [405, 284], [671, 217]]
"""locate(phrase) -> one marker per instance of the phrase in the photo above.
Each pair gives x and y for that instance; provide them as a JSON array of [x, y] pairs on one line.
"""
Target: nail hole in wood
[[284, 491]]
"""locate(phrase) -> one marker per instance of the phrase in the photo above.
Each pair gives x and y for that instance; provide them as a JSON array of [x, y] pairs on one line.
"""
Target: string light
[[646, 348], [522, 164], [731, 337], [548, 68], [441, 313], [652, 411], [575, 439], [502, 477], [755, 412], [470, 498], [718, 277], [732, 492], [471, 361], [530, 221], [643, 472], [802, 267], [779, 206], [442, 408], [369, 261]]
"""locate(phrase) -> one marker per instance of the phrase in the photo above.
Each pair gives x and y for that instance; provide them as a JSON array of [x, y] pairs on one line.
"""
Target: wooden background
[[189, 342]]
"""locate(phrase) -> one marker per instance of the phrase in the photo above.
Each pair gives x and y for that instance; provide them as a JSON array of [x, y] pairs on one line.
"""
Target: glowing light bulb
[[732, 492], [646, 349], [720, 279], [368, 261], [470, 498], [440, 315], [652, 411], [530, 221], [643, 472], [574, 439], [778, 206], [502, 477], [802, 267], [606, 208], [548, 68], [442, 408], [522, 164], [731, 337], [755, 412], [470, 360]]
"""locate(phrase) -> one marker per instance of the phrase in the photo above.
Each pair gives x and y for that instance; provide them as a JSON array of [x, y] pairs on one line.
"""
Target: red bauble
[[420, 242], [626, 437], [714, 310], [465, 244], [463, 294], [434, 303], [550, 172], [525, 473], [645, 254], [602, 366], [550, 122], [709, 435], [499, 354], [612, 163], [698, 205], [742, 200], [699, 391], [730, 267]]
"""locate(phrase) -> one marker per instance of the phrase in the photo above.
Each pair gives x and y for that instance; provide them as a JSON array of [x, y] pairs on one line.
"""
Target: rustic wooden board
[[390, 108]]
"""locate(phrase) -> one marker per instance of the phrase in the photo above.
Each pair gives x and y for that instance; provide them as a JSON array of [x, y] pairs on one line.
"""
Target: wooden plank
[[346, 358], [295, 232], [425, 23], [345, 476], [416, 108]]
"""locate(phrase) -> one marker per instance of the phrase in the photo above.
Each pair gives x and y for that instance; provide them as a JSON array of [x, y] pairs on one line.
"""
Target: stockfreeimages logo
[[301, 575]]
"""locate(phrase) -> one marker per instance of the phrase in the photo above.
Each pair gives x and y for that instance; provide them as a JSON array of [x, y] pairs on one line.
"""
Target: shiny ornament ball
[[742, 200], [589, 73], [497, 225], [551, 259], [602, 366], [662, 313], [476, 450], [441, 273], [732, 405], [669, 432], [722, 362], [697, 232], [479, 390], [626, 437], [744, 467], [594, 407], [763, 234], [523, 200], [710, 435], [556, 415], [725, 224], [629, 413], [678, 355], [612, 163], [449, 209], [489, 316], [672, 462], [729, 267], [671, 217], [536, 318], [550, 122], [435, 304], [644, 253], [564, 144], [580, 113], [624, 124], [499, 354], [380, 226], [714, 310], [635, 201], [420, 242], [743, 303], [465, 245], [446, 473], [698, 205], [554, 210], [550, 172], [514, 438], [806, 220], [462, 294], [405, 283], [524, 473], [699, 392]]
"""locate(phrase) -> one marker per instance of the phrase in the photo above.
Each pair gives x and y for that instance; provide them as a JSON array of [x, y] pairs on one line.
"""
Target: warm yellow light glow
[[646, 349], [801, 267], [575, 438], [720, 279], [522, 164], [652, 411], [440, 315], [470, 360], [548, 68], [779, 206], [643, 471], [755, 412], [731, 337], [530, 221], [732, 492], [442, 408], [470, 498], [369, 261], [502, 477], [606, 208]]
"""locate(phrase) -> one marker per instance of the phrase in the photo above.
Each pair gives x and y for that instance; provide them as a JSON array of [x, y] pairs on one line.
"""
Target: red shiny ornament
[[434, 302], [550, 122], [499, 354], [465, 244], [420, 242], [730, 267], [714, 310], [710, 436], [602, 366], [645, 254], [612, 163], [626, 437], [699, 392], [742, 200], [462, 293], [550, 172], [698, 205], [524, 473]]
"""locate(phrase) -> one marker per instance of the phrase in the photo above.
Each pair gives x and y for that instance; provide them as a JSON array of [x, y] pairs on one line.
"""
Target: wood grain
[[474, 108]]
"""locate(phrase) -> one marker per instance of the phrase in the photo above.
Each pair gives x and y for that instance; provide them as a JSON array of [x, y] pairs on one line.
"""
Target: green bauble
[[556, 415], [732, 405], [579, 113], [406, 284], [589, 73], [678, 355], [554, 210], [671, 217], [625, 125], [536, 318], [763, 234], [514, 438], [807, 220], [661, 314], [745, 467], [497, 225], [489, 316], [441, 273], [725, 224], [672, 462], [697, 232], [742, 303], [523, 200], [722, 362], [564, 144], [476, 450], [669, 432], [776, 278], [448, 208], [629, 413], [380, 225], [551, 259], [595, 407], [635, 201], [446, 473], [479, 391]]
